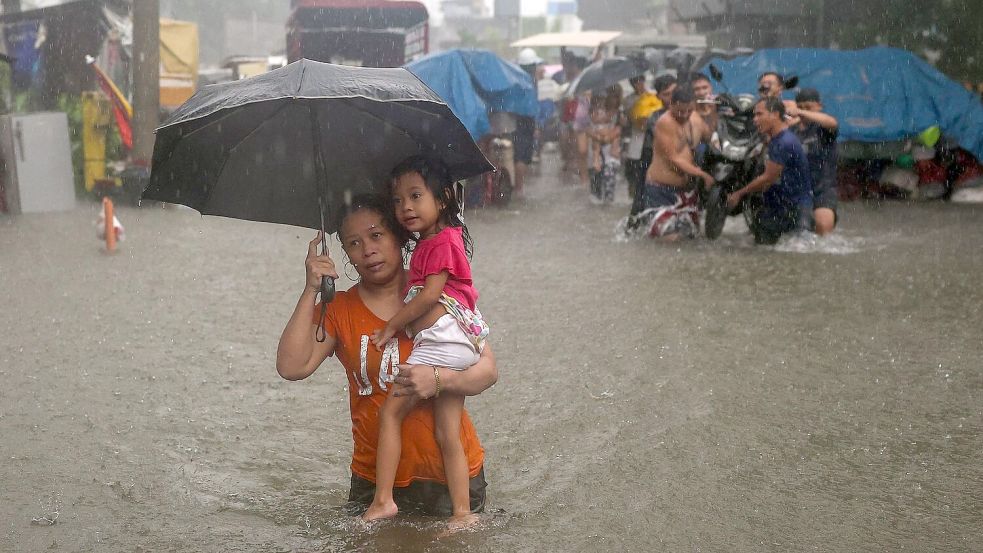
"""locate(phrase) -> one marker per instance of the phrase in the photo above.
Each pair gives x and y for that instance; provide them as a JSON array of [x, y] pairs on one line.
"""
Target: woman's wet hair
[[379, 204], [437, 177]]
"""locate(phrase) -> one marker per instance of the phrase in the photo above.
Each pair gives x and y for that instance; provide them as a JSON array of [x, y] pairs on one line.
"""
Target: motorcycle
[[494, 188], [497, 185], [734, 158]]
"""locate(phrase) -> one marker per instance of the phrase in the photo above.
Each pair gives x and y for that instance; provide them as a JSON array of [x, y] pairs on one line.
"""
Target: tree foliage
[[950, 28]]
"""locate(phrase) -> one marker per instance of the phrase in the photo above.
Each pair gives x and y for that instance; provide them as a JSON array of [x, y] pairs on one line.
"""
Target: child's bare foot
[[378, 511]]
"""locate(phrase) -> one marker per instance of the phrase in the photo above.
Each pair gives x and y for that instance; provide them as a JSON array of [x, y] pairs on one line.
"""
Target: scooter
[[498, 184], [734, 158], [494, 188]]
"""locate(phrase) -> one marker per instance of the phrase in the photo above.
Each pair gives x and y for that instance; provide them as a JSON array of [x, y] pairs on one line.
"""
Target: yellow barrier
[[96, 113]]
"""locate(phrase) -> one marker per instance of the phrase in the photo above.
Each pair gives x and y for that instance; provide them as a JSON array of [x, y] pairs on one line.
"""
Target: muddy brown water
[[695, 397]]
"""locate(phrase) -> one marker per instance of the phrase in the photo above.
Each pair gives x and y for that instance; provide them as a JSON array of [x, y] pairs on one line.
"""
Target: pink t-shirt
[[445, 252]]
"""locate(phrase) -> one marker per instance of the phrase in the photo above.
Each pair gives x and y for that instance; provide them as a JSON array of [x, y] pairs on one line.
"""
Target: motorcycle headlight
[[721, 171], [733, 151]]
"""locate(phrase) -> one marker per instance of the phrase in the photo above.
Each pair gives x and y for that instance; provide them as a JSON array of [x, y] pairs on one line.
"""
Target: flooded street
[[693, 397]]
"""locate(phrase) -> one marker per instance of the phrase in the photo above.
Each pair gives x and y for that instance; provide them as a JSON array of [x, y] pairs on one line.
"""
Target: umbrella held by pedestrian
[[293, 145]]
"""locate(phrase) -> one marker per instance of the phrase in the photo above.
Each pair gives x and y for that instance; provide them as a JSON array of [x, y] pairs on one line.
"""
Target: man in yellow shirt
[[641, 104]]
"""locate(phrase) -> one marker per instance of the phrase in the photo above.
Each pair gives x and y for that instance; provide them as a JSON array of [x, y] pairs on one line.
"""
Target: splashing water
[[807, 242], [736, 234]]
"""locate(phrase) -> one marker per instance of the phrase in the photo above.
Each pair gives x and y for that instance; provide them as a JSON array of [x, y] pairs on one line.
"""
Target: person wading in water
[[667, 188]]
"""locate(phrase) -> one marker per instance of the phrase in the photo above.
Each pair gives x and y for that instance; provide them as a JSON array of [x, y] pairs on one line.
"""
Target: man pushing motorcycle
[[786, 182], [669, 200]]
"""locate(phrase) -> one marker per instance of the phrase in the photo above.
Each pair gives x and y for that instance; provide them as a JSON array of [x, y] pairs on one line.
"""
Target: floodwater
[[815, 396]]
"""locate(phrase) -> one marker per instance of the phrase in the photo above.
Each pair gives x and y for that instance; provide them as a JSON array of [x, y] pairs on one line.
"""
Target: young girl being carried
[[441, 315]]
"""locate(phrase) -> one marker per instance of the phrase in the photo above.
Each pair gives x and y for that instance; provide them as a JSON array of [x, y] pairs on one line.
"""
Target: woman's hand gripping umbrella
[[293, 145]]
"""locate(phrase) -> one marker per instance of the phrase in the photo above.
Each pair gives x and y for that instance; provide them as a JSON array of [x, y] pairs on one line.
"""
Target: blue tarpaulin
[[878, 94], [472, 82]]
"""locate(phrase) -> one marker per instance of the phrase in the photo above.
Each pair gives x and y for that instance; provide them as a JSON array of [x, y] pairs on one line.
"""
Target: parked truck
[[368, 33]]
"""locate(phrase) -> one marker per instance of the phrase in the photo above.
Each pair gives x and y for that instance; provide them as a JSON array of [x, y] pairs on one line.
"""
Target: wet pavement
[[820, 395]]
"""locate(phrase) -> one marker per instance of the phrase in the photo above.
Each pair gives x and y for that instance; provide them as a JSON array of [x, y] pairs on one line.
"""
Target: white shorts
[[444, 344]]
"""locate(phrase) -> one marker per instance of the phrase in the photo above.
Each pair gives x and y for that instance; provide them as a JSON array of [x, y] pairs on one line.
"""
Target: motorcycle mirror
[[716, 73], [791, 83]]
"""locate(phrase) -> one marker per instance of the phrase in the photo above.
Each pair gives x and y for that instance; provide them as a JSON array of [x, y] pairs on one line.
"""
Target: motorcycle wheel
[[751, 205], [716, 212]]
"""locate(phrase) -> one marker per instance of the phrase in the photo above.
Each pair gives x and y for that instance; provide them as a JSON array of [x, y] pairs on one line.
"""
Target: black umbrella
[[290, 146], [606, 72]]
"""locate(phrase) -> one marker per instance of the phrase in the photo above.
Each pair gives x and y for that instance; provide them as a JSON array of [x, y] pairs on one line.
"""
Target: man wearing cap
[[524, 139], [818, 131]]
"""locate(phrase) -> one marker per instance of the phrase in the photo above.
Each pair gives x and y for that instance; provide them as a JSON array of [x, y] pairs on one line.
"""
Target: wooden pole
[[146, 78]]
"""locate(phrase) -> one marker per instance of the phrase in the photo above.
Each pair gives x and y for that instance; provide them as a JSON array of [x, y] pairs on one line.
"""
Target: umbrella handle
[[327, 294], [327, 289], [327, 283]]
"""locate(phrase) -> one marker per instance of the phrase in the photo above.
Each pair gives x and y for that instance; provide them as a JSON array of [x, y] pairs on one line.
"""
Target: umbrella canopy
[[580, 39], [606, 72], [289, 146]]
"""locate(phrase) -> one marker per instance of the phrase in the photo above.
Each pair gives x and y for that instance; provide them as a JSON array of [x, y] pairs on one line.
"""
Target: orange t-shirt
[[351, 323]]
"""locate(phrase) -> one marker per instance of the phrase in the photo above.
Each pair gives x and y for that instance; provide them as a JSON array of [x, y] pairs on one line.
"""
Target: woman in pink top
[[442, 316]]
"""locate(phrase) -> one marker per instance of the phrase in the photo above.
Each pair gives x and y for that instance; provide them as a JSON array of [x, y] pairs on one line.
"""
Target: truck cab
[[366, 33]]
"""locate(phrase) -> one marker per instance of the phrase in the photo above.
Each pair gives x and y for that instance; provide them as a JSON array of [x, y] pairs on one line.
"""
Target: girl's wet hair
[[438, 179], [379, 204]]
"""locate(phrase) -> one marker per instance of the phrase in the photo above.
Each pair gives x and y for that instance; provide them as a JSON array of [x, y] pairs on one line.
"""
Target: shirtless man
[[668, 196]]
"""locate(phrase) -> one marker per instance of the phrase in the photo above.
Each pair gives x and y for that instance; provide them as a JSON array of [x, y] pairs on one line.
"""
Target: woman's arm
[[419, 380], [299, 354]]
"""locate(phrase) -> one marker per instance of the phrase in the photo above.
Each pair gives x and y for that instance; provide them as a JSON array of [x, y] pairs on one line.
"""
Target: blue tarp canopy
[[878, 94], [472, 82]]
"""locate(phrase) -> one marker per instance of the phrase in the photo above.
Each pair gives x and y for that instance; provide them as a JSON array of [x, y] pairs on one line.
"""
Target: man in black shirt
[[818, 131]]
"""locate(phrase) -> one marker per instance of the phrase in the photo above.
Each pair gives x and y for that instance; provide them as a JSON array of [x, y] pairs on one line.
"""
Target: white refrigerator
[[36, 163]]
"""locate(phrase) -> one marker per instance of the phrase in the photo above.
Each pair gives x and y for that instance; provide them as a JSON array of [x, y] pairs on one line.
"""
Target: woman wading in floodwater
[[374, 243]]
